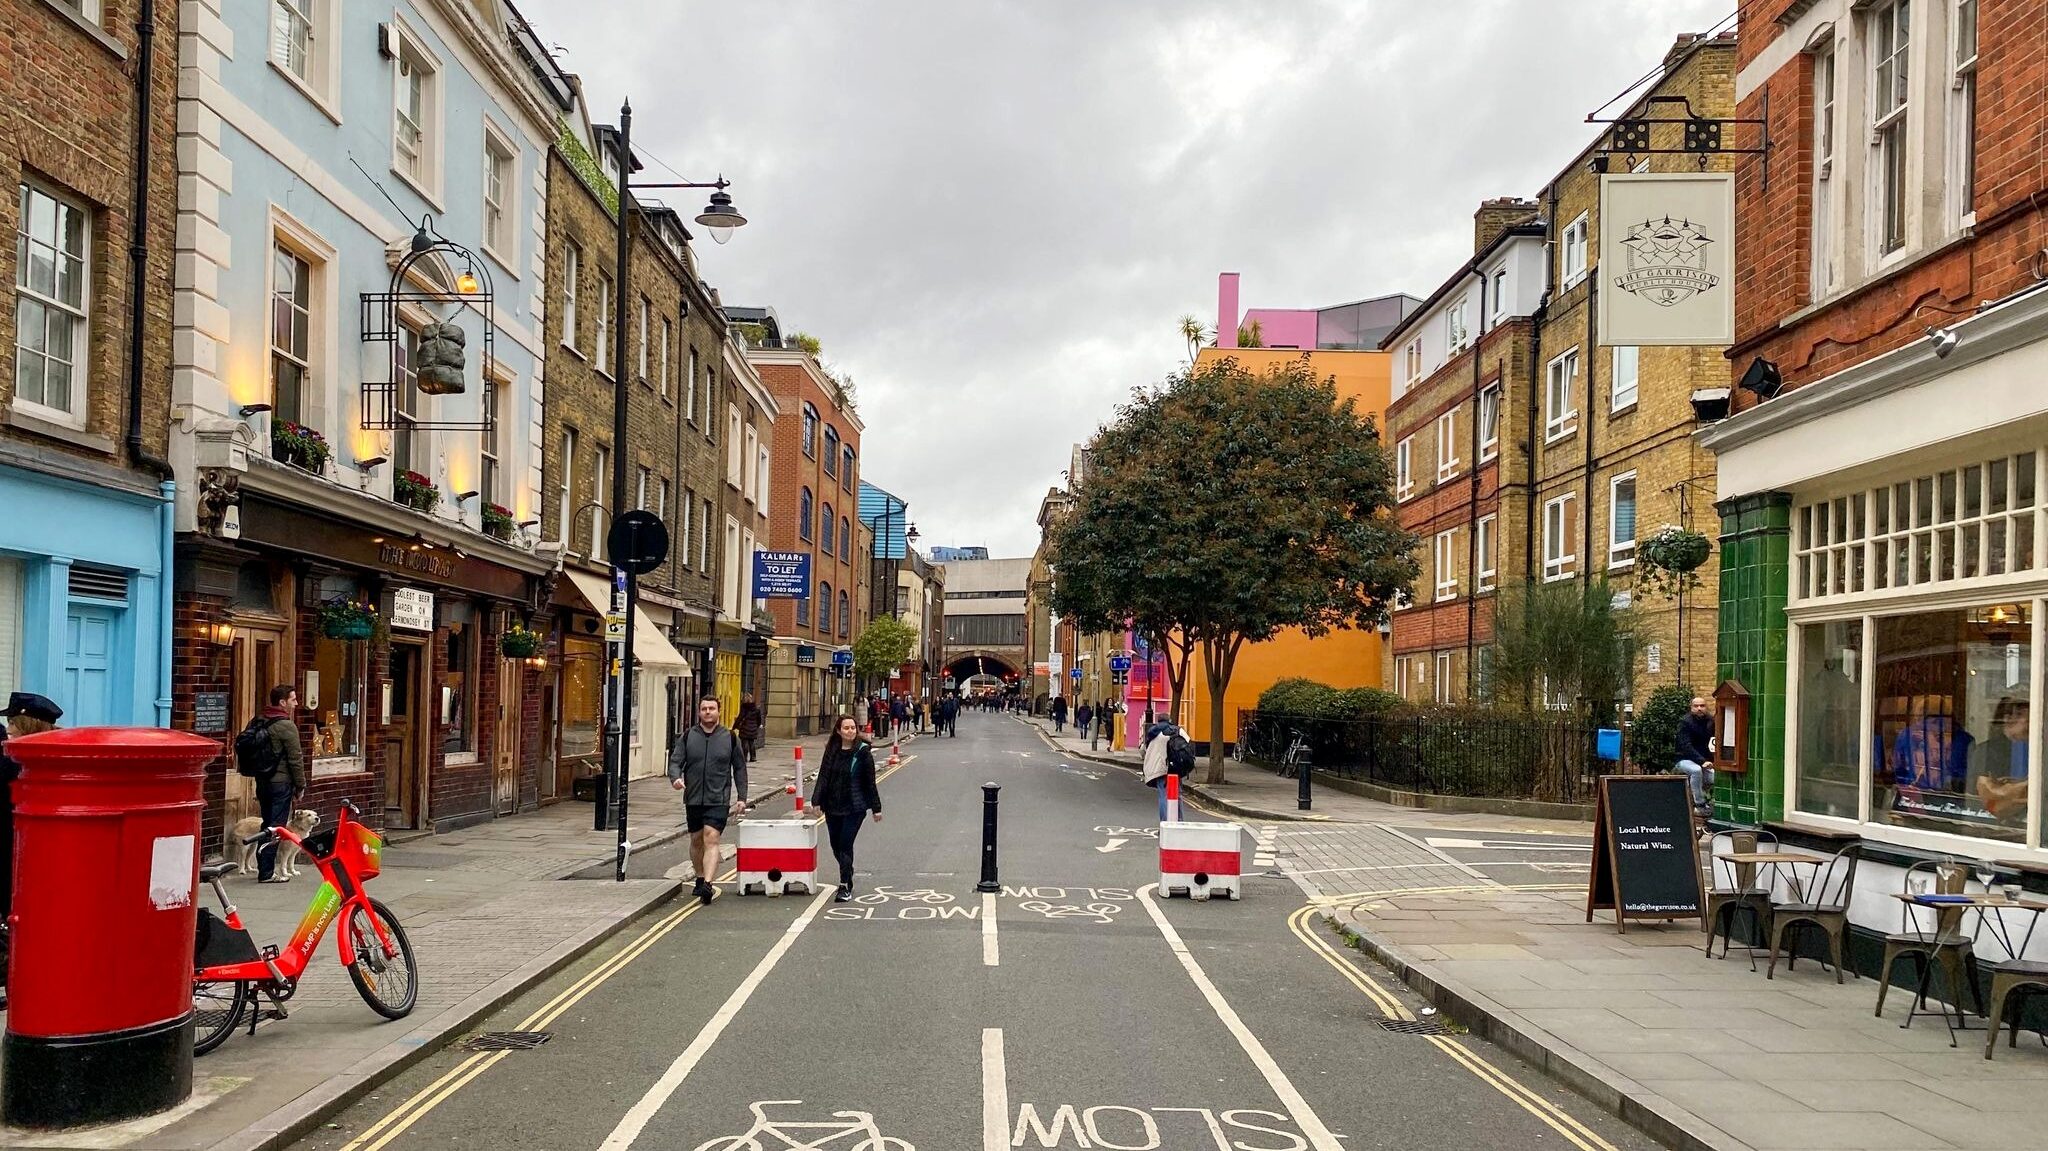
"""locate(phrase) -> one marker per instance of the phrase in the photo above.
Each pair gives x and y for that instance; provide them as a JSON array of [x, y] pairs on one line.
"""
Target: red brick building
[[1881, 478], [816, 481]]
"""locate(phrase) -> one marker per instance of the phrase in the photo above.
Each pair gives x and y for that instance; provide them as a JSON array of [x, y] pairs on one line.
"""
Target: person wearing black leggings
[[846, 792]]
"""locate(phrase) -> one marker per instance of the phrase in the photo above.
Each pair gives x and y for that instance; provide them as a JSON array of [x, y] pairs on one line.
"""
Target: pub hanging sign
[[1667, 259]]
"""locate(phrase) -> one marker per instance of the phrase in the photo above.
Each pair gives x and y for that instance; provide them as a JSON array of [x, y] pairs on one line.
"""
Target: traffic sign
[[1075, 675], [638, 541], [615, 629], [842, 659], [1119, 663]]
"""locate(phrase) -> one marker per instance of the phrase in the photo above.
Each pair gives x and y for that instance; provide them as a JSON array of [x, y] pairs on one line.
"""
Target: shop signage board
[[782, 575], [1646, 862], [806, 656], [1667, 259], [412, 609], [757, 647]]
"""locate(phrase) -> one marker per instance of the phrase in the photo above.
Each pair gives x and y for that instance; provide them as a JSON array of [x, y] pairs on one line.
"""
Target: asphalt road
[[1096, 1016]]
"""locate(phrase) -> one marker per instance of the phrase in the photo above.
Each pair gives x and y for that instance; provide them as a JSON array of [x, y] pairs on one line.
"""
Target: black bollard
[[988, 838], [1301, 785]]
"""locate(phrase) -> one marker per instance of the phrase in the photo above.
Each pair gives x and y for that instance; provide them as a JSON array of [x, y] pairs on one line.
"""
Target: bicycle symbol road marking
[[1147, 832], [896, 895], [1094, 912], [792, 1135]]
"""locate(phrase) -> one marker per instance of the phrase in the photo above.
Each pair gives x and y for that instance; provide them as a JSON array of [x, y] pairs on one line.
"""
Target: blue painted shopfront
[[86, 570]]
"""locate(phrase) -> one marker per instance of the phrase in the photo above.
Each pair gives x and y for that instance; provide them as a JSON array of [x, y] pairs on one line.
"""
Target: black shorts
[[697, 817]]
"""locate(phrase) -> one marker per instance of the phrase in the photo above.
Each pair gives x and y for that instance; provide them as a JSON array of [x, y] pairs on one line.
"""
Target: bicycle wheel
[[216, 1009], [388, 983]]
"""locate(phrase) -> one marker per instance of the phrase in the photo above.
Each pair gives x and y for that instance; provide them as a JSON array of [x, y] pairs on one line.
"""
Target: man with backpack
[[1167, 752], [708, 766], [268, 751]]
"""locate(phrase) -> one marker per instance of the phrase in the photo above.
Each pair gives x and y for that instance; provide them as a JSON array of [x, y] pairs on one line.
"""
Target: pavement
[[489, 915], [1068, 1009]]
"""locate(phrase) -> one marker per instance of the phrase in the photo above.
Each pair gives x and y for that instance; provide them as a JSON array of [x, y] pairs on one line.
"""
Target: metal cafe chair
[[2013, 981], [1938, 944], [1827, 910], [1736, 889]]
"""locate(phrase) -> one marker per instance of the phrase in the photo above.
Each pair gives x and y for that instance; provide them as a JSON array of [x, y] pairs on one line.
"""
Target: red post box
[[99, 974]]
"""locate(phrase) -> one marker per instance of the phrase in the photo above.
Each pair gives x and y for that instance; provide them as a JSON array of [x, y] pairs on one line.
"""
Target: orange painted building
[[1344, 337]]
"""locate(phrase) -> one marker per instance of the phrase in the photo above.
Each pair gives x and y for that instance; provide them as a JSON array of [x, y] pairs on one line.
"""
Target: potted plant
[[498, 521], [347, 619], [1667, 560], [299, 446], [415, 491], [520, 642]]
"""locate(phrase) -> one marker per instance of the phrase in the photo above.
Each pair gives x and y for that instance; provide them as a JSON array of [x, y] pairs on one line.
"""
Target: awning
[[651, 649]]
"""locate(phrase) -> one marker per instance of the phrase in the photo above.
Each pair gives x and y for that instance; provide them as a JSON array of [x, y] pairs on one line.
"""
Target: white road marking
[[1298, 1109], [636, 1119], [1500, 845], [995, 1091], [1112, 845], [989, 956], [1459, 864]]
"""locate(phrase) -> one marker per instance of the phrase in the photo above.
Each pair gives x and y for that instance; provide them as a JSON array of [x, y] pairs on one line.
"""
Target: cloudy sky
[[993, 212]]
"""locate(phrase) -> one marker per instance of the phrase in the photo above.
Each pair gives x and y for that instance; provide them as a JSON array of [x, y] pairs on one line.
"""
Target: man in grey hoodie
[[709, 767]]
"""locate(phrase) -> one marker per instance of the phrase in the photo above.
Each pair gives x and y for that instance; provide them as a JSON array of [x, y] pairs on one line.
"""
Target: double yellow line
[[1551, 1115], [381, 1133]]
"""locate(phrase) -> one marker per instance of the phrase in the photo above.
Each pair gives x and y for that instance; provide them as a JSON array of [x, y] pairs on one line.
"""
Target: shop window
[[1964, 523], [333, 696], [458, 687], [1830, 718], [582, 694], [1953, 720]]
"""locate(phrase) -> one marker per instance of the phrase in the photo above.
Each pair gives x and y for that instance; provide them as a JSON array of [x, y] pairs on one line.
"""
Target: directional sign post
[[637, 543]]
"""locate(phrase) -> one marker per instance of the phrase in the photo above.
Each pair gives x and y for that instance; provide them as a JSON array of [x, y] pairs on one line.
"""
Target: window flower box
[[346, 619], [415, 491], [498, 521], [299, 446]]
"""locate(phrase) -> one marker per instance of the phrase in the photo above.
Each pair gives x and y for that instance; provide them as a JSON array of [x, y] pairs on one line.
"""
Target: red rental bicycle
[[229, 969]]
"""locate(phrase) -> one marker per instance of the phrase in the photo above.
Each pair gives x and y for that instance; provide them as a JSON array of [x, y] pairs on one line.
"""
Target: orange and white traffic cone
[[896, 753], [796, 786]]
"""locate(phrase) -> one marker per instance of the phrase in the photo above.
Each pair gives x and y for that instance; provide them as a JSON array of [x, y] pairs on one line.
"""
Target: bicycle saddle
[[211, 871]]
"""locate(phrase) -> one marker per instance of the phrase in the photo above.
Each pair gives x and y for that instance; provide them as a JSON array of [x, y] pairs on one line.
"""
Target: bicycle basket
[[364, 850]]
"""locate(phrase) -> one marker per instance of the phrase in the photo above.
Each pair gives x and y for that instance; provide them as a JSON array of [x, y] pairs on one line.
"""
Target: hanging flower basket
[[1668, 559], [518, 642], [415, 491], [348, 620], [498, 521], [299, 446]]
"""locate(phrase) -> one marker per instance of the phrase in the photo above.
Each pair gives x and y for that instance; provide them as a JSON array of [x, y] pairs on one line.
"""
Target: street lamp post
[[720, 218]]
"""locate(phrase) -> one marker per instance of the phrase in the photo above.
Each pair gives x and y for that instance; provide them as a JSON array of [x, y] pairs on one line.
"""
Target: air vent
[[99, 583], [1414, 1027]]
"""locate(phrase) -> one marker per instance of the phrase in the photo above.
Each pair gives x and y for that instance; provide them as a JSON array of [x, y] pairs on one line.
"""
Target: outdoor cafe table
[[1774, 860], [1990, 908]]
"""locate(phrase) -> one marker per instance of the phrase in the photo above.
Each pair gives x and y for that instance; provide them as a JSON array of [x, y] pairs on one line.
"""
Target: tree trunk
[[1218, 659]]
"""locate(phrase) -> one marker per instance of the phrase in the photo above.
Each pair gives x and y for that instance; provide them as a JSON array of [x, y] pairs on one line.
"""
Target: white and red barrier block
[[1200, 860], [778, 856]]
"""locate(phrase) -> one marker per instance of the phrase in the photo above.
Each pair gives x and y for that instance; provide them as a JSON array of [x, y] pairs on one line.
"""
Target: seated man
[[2002, 778], [1696, 753]]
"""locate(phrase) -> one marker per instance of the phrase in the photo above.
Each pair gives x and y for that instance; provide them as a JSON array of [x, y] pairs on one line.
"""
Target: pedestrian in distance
[[1083, 716], [845, 792], [899, 711], [1059, 713], [949, 715], [1696, 755], [1167, 752], [27, 714], [748, 726], [268, 751], [708, 766]]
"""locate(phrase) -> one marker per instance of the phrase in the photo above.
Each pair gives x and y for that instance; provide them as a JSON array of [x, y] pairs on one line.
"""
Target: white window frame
[[1962, 112], [646, 337], [319, 257], [1457, 331], [1558, 563], [683, 536], [1401, 676], [661, 497], [1443, 677], [79, 360], [412, 57], [1404, 469], [1572, 251], [1891, 139], [1447, 445], [1489, 429], [315, 77], [1621, 397], [1498, 282], [1483, 553], [704, 539], [501, 206], [1446, 566], [1621, 553], [667, 335], [572, 267], [566, 509], [710, 401], [491, 399], [735, 463], [640, 489], [1415, 359], [88, 10], [601, 354], [600, 479], [1560, 406], [1826, 134], [751, 453], [690, 389]]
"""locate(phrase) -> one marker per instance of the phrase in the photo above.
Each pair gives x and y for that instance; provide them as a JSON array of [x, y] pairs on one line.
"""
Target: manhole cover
[[1414, 1027], [507, 1040]]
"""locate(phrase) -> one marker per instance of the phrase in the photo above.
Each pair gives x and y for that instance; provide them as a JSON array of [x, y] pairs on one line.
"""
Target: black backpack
[[255, 752], [1180, 755]]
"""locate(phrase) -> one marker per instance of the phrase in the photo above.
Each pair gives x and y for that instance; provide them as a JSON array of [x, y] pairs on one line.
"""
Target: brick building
[[85, 545], [745, 624], [672, 342], [815, 462], [1880, 479], [1525, 451]]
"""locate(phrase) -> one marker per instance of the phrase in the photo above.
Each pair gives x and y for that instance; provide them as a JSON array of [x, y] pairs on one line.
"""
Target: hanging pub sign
[[1667, 259]]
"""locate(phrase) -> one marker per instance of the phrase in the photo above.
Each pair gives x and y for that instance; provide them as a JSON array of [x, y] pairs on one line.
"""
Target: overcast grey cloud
[[993, 212]]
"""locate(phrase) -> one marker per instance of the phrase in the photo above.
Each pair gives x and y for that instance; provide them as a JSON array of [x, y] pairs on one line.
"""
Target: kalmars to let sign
[[1667, 259]]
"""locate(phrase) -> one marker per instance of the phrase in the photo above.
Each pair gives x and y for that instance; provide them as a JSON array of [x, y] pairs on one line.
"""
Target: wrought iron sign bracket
[[1700, 136], [416, 286]]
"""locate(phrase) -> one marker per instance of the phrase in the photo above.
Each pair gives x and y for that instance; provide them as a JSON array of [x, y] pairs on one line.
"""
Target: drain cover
[[507, 1040], [1414, 1027]]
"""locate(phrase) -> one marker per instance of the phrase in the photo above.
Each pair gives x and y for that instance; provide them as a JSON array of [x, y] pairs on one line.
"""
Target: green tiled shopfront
[[1756, 538]]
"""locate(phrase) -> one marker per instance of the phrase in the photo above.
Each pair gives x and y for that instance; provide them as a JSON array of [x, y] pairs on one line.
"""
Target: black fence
[[1480, 755]]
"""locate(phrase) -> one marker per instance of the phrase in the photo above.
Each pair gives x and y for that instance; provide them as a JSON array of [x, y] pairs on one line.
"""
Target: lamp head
[[1943, 341], [719, 217], [248, 410], [467, 284]]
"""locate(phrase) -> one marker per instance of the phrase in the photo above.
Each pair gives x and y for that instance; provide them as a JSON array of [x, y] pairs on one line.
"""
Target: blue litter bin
[[1607, 743]]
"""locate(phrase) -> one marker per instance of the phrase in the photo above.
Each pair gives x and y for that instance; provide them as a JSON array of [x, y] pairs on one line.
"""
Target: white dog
[[301, 823]]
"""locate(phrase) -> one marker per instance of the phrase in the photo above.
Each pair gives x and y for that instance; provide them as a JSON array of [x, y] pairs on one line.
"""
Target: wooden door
[[257, 654], [405, 725], [551, 783], [505, 785]]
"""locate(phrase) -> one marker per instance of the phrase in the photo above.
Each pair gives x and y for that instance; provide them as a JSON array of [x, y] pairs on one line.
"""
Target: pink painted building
[[1357, 326]]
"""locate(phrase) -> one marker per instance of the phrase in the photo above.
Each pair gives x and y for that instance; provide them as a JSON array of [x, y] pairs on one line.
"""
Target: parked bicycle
[[1296, 759], [229, 969]]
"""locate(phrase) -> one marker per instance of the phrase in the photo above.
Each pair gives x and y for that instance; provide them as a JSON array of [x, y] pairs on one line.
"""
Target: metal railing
[[1473, 754]]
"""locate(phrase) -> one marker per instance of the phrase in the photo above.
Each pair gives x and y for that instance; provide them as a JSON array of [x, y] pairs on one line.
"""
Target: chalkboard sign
[[210, 712], [1646, 862]]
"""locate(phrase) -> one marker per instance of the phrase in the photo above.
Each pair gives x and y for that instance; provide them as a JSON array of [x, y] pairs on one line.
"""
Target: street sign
[[1119, 663], [842, 659], [782, 575], [638, 541], [615, 629], [1075, 675]]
